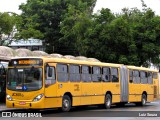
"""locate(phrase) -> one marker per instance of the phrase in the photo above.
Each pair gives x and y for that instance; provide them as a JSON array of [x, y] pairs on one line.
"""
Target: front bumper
[[26, 104]]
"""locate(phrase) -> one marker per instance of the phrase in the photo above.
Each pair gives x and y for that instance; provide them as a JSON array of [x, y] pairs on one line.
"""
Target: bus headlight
[[38, 98], [9, 97]]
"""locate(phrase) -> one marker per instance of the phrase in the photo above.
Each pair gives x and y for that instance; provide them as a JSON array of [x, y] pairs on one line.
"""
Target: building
[[31, 44]]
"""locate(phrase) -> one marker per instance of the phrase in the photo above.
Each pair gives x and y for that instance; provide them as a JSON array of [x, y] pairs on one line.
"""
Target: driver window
[[50, 76]]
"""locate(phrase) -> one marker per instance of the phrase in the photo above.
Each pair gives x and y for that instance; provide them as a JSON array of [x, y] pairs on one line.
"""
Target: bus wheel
[[144, 100], [108, 101], [66, 103]]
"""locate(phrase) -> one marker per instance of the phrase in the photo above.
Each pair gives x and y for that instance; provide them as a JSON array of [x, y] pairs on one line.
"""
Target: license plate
[[22, 103]]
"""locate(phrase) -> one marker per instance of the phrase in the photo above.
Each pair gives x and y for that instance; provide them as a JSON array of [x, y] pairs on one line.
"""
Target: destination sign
[[28, 62], [25, 62]]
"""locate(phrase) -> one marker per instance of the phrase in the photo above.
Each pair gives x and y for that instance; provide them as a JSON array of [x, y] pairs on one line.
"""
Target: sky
[[117, 5], [114, 5]]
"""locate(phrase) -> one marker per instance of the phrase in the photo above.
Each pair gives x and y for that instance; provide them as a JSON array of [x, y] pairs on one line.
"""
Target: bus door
[[50, 86]]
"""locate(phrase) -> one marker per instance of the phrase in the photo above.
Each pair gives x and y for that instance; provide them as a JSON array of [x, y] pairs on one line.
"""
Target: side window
[[106, 74], [143, 75], [136, 76], [150, 79], [114, 76], [50, 76], [130, 76], [155, 75], [74, 73], [96, 76], [86, 74], [62, 72]]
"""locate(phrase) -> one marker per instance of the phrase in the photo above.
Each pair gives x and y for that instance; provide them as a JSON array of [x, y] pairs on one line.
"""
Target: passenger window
[[74, 73], [86, 74], [96, 76], [106, 74], [154, 75], [114, 76], [131, 76], [136, 77], [50, 79], [62, 72], [143, 77], [150, 79]]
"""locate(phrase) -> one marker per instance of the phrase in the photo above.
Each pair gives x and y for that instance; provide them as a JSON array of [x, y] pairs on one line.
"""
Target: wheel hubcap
[[144, 101], [108, 102], [66, 103]]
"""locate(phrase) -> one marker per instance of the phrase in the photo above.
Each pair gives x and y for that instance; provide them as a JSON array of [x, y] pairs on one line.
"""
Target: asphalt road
[[129, 111]]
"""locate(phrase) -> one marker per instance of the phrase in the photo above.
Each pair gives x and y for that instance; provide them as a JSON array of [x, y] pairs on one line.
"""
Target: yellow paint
[[82, 93]]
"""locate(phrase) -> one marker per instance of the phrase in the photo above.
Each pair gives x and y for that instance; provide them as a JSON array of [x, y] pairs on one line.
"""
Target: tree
[[46, 17], [76, 21], [7, 23], [145, 32], [131, 37]]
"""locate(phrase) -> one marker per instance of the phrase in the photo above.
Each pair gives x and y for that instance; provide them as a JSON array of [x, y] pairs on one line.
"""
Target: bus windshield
[[24, 79]]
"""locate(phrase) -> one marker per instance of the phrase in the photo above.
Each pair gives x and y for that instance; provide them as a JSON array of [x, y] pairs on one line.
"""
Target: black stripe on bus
[[77, 96]]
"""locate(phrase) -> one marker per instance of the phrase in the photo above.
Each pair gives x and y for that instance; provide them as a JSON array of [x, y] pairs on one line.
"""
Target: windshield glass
[[24, 79]]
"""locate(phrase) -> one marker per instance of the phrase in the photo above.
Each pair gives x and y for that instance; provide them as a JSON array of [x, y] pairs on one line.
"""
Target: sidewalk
[[3, 107]]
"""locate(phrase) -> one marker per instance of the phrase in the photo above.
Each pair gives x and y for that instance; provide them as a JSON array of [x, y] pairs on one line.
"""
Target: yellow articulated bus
[[44, 82]]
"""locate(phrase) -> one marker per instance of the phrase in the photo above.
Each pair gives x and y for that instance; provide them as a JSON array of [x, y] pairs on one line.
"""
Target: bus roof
[[65, 60], [141, 68], [86, 62]]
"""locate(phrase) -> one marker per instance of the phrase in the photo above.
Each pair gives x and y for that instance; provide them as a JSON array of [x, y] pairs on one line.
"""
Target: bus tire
[[143, 100], [66, 103], [108, 101]]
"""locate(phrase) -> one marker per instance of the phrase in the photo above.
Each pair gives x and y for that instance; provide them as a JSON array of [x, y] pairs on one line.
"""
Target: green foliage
[[7, 22], [48, 18], [131, 37]]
